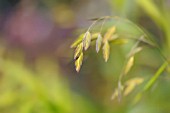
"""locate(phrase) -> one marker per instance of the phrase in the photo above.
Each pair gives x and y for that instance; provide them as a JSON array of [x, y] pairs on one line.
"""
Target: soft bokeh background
[[37, 73]]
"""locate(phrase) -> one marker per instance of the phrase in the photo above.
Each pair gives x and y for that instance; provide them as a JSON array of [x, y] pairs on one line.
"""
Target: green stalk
[[160, 17], [155, 77], [150, 83]]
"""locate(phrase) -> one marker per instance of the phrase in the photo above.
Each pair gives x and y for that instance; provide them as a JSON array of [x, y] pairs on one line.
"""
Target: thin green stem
[[102, 25], [92, 25], [155, 77], [150, 83]]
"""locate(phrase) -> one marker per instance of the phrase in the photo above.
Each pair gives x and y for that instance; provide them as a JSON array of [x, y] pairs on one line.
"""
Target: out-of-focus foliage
[[37, 72]]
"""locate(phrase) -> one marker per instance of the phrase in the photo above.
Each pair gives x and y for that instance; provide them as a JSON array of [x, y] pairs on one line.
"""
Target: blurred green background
[[37, 73]]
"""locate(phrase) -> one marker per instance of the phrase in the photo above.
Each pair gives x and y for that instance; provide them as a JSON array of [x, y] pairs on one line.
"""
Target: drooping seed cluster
[[84, 41], [104, 40]]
